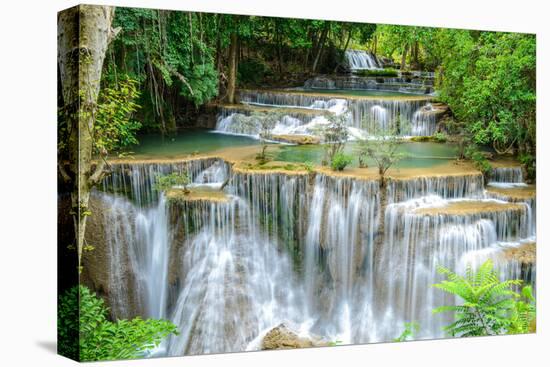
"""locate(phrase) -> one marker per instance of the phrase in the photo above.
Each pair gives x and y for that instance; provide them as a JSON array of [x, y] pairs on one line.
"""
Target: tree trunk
[[404, 56], [347, 42], [232, 77], [321, 45], [83, 34], [381, 230], [415, 56]]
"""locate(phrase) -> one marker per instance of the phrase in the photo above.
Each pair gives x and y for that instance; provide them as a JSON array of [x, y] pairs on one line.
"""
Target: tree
[[335, 136], [166, 182], [265, 122], [84, 33], [488, 80], [232, 80], [100, 339], [490, 307], [383, 149]]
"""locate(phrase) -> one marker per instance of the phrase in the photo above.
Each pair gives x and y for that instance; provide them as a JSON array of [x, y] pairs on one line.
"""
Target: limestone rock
[[297, 139], [281, 337]]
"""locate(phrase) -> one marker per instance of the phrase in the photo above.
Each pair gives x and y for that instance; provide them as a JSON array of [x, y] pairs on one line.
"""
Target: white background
[[28, 176]]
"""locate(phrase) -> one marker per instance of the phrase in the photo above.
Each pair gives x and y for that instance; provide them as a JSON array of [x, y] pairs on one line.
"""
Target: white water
[[361, 60], [364, 117], [296, 250]]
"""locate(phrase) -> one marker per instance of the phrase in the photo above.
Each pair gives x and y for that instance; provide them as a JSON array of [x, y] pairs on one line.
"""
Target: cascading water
[[369, 83], [506, 175], [296, 249], [361, 60], [407, 117], [234, 281]]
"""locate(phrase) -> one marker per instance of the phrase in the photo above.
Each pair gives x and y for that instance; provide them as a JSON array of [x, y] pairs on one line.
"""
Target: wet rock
[[297, 139], [98, 269], [281, 337]]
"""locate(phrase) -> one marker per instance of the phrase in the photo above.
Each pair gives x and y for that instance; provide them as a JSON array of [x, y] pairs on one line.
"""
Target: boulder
[[281, 337], [297, 139]]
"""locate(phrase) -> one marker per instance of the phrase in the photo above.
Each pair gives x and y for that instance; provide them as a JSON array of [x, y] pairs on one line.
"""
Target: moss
[[275, 166], [435, 138], [297, 139], [392, 73]]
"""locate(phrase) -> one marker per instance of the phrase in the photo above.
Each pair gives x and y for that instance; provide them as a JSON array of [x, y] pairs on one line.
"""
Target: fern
[[411, 329], [490, 307]]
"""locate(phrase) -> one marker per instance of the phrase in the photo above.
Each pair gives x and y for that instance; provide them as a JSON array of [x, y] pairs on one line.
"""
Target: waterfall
[[416, 85], [234, 280], [507, 175], [409, 117], [358, 59], [424, 233], [448, 187], [340, 238], [300, 249]]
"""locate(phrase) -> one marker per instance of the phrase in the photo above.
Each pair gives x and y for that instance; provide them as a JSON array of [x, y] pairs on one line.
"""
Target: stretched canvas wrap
[[233, 183]]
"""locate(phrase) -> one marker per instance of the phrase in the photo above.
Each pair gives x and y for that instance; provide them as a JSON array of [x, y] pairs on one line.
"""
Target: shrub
[[529, 162], [480, 160], [252, 71], [439, 137], [166, 182], [490, 307], [340, 161], [392, 73], [99, 338], [309, 166], [335, 136]]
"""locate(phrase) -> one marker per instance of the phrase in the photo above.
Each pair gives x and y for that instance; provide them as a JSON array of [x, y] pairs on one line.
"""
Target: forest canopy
[[184, 61]]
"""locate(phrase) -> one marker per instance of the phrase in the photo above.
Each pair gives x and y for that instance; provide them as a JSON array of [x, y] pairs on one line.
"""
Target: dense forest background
[[182, 62]]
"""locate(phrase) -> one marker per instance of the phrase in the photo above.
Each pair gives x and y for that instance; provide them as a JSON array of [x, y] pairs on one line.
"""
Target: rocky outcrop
[[281, 337], [114, 282], [297, 139]]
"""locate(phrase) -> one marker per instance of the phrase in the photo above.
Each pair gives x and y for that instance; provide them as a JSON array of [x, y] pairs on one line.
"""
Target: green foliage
[[490, 307], [411, 329], [166, 182], [384, 72], [335, 136], [529, 162], [488, 80], [473, 153], [340, 161], [436, 138], [68, 324], [309, 166], [114, 127], [266, 122], [439, 137], [100, 339], [383, 150], [523, 319], [252, 71]]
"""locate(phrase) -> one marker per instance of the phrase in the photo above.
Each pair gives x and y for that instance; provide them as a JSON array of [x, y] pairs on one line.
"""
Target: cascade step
[[512, 194], [249, 108], [248, 94], [415, 85], [470, 207], [197, 194]]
